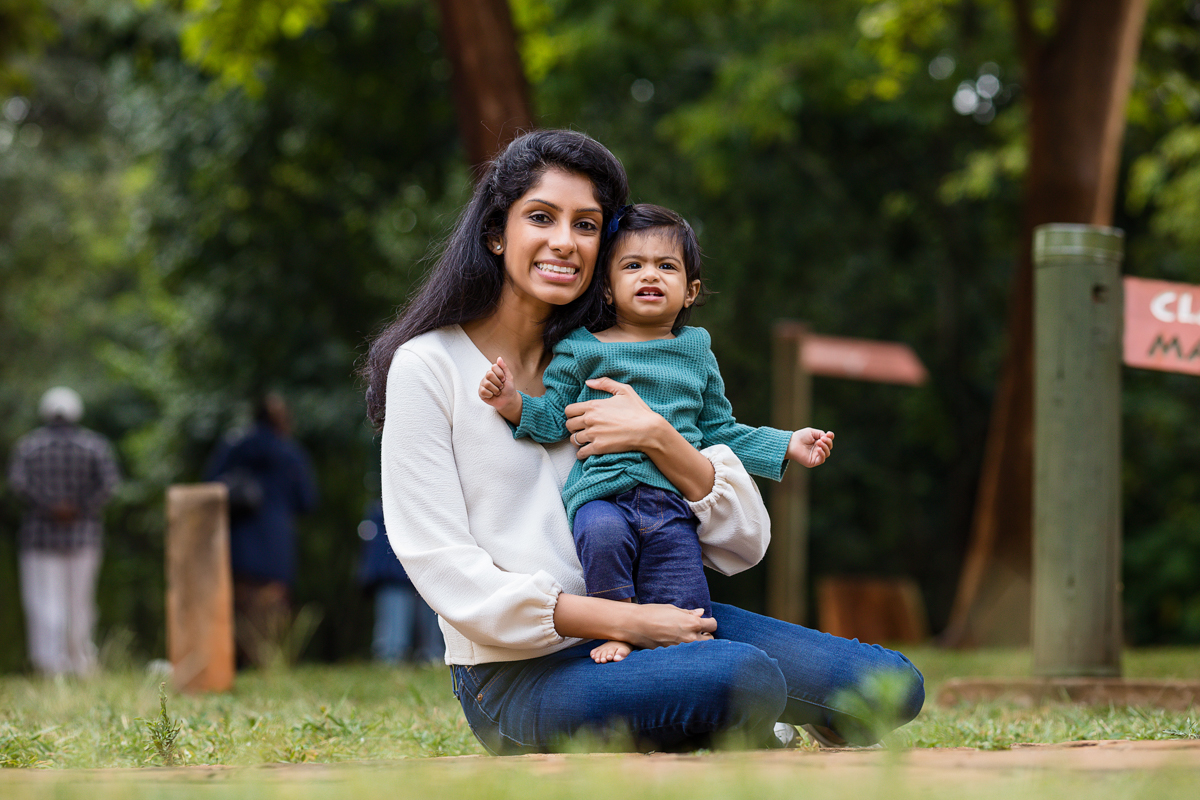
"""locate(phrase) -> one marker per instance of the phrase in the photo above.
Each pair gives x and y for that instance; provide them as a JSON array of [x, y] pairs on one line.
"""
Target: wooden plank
[[787, 562], [199, 588], [1162, 325], [1076, 621], [872, 610], [862, 360]]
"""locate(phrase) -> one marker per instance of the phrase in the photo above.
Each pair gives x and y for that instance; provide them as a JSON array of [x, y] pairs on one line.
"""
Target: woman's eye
[[539, 216], [588, 225]]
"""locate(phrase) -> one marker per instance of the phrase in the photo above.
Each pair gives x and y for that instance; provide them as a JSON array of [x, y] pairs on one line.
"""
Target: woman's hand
[[617, 424], [624, 423], [661, 625], [649, 626]]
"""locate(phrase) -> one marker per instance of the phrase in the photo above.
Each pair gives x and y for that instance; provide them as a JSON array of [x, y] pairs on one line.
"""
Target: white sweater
[[477, 518]]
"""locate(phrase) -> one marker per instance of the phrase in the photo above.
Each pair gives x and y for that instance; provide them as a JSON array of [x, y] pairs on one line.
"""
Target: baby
[[634, 533]]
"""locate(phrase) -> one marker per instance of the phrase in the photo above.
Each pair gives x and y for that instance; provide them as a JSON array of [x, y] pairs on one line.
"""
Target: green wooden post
[[1077, 451], [787, 560]]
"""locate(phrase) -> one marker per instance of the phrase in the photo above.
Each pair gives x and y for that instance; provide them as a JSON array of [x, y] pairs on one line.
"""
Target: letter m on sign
[[1166, 347]]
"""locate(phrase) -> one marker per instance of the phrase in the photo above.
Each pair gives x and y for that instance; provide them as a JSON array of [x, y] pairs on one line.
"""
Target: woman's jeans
[[402, 617], [725, 692], [642, 543]]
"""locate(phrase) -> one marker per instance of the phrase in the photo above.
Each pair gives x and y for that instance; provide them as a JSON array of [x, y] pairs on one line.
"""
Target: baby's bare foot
[[610, 651]]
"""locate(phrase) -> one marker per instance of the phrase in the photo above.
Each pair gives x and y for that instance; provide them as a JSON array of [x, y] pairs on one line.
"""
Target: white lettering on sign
[[1160, 307]]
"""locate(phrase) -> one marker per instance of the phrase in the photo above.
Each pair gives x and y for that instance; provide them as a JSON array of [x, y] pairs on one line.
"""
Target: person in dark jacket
[[405, 626], [270, 482]]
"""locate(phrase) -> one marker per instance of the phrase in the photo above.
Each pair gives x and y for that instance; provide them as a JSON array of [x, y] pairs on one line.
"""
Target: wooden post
[[787, 567], [199, 588], [1076, 617]]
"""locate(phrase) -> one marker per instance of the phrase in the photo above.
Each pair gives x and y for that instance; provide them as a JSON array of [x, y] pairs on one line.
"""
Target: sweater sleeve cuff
[[528, 422], [775, 459], [722, 488], [551, 589]]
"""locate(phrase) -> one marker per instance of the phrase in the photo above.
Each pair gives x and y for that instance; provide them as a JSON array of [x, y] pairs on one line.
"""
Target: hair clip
[[615, 222]]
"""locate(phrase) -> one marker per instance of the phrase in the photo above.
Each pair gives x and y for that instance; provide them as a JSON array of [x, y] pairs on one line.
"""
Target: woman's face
[[551, 239]]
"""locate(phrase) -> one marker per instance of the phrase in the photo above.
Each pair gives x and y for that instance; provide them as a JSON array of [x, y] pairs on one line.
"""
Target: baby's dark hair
[[639, 218]]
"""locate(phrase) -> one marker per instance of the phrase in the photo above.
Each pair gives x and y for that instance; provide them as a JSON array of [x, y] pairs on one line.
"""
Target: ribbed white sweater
[[477, 517]]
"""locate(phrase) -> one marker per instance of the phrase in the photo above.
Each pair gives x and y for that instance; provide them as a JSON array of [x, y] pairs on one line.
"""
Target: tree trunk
[[1077, 81], [490, 92]]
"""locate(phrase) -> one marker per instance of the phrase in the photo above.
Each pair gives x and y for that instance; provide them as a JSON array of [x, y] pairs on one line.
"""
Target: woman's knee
[[749, 678]]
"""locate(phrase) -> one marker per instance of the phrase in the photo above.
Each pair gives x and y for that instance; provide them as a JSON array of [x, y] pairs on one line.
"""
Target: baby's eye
[[668, 265], [633, 265]]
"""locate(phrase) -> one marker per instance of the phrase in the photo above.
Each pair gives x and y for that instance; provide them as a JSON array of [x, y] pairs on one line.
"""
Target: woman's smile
[[557, 271]]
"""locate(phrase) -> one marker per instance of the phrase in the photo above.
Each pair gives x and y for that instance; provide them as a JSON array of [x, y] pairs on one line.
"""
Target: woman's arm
[[427, 522], [624, 422], [646, 626]]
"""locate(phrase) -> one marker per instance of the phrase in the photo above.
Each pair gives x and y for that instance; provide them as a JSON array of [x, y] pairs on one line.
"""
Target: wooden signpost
[[199, 588], [797, 356]]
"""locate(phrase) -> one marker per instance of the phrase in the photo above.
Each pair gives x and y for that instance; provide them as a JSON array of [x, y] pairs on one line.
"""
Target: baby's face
[[647, 282]]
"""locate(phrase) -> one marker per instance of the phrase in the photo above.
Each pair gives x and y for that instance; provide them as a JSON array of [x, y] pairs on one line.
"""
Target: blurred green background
[[176, 239]]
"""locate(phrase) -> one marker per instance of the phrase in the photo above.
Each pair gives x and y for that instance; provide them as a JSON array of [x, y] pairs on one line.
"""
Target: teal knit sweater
[[676, 377]]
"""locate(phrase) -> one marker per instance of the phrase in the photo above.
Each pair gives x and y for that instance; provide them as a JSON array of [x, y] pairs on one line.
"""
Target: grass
[[364, 731]]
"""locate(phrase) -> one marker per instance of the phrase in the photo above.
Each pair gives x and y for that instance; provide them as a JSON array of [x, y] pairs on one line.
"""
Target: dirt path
[[959, 763]]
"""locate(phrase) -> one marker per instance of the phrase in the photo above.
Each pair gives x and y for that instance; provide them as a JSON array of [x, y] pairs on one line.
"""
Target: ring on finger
[[575, 441]]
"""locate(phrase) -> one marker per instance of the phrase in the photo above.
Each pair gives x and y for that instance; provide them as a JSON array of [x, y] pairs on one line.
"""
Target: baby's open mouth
[[650, 291]]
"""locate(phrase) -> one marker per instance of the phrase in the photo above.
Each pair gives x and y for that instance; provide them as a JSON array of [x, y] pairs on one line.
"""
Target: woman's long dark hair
[[466, 281]]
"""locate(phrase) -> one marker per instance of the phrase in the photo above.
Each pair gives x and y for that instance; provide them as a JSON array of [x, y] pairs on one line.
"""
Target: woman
[[477, 520]]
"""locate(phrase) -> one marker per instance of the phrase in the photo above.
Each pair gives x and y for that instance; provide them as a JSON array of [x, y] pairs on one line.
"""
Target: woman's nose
[[562, 239]]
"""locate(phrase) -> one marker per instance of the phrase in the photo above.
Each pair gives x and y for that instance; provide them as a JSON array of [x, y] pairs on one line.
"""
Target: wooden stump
[[199, 588], [872, 610]]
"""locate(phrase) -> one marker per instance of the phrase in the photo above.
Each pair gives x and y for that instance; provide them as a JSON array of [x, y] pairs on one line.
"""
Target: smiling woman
[[478, 520]]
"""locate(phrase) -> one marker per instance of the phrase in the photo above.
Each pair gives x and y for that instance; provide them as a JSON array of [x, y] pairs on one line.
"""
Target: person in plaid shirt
[[65, 473]]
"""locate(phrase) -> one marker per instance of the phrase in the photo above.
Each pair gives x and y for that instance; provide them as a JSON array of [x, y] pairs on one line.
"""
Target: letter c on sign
[[1158, 307]]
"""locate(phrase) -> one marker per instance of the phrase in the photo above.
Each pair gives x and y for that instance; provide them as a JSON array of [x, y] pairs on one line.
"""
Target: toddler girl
[[634, 533]]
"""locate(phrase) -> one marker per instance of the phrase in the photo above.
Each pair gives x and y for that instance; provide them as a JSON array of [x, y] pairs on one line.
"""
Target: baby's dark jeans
[[642, 543]]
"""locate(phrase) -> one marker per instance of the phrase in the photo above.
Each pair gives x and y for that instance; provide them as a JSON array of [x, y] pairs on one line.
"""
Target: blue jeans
[[402, 617], [642, 543], [730, 690]]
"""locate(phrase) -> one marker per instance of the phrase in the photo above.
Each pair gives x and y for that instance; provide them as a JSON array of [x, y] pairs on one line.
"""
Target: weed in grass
[[1190, 730], [163, 731]]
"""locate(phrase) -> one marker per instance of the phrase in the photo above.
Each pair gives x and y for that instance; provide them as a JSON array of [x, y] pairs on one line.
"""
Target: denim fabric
[[730, 690], [642, 543], [402, 617]]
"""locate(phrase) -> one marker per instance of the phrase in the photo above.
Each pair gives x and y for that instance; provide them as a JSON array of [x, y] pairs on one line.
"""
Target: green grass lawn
[[331, 714]]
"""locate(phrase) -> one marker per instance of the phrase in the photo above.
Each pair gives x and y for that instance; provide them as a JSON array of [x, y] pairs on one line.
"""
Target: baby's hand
[[810, 447], [498, 390]]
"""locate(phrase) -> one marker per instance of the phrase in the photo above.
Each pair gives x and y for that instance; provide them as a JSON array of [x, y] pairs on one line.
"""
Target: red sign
[[1162, 325], [862, 360]]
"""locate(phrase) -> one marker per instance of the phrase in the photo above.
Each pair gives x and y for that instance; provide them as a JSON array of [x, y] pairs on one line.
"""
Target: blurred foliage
[[200, 201]]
